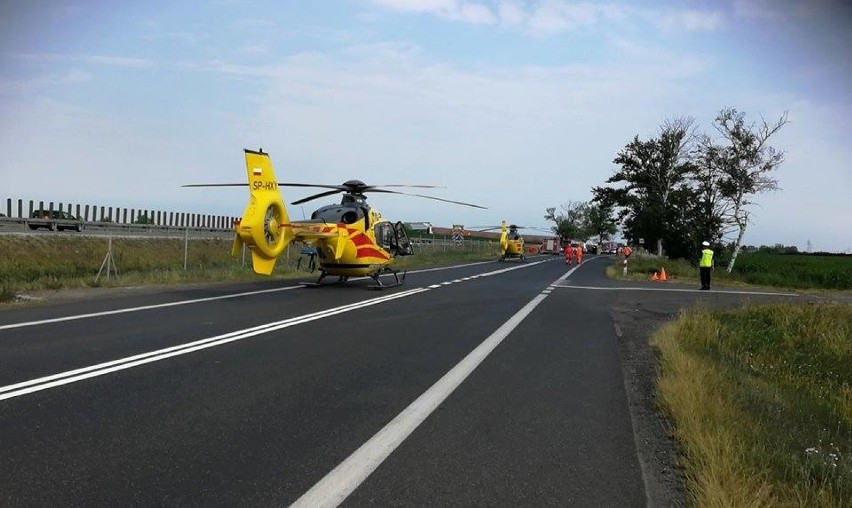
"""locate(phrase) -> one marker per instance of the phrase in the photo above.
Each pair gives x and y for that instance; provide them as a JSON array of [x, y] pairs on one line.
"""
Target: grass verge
[[42, 262], [771, 270], [761, 400]]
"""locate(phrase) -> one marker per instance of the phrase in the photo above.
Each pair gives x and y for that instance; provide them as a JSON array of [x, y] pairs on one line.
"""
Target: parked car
[[54, 220]]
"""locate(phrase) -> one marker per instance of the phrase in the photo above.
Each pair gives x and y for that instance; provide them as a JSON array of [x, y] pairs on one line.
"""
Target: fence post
[[185, 247]]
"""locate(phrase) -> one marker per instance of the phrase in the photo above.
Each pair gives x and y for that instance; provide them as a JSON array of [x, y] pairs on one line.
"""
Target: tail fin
[[265, 226]]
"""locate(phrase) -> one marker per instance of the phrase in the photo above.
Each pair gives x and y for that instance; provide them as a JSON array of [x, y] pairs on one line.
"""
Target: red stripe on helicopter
[[361, 240], [373, 253]]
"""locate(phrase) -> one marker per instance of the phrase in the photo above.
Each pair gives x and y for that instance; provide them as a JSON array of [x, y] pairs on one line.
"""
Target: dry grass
[[761, 402]]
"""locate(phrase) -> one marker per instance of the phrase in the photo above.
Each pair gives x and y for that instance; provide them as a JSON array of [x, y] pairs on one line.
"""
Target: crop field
[[795, 271]]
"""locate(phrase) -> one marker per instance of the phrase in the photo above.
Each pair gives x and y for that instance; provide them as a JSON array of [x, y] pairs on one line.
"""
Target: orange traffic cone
[[655, 276], [663, 277]]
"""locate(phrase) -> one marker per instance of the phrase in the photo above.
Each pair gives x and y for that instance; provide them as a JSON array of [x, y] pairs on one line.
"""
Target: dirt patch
[[635, 322]]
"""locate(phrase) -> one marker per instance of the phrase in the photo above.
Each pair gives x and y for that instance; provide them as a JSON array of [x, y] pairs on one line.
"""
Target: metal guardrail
[[16, 225], [19, 208]]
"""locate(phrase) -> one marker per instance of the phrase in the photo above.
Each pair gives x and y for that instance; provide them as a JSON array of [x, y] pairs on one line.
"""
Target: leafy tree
[[711, 207], [143, 218], [570, 222], [747, 166], [600, 221], [655, 194]]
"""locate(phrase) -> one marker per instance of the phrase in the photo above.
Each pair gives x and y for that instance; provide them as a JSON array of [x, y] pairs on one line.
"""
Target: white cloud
[[255, 49], [688, 20], [551, 17], [20, 87], [511, 14], [387, 114], [457, 10], [382, 113], [112, 61], [118, 61]]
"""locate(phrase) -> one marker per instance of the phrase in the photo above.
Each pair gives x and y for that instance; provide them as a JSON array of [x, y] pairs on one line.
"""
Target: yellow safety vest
[[706, 258]]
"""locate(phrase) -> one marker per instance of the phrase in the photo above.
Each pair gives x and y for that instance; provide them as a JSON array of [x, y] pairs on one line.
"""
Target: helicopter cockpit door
[[403, 244], [393, 239]]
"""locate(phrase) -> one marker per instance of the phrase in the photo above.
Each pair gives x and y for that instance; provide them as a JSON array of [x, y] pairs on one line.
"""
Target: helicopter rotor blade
[[280, 184], [430, 197], [352, 186], [315, 196], [216, 185], [317, 185], [372, 187]]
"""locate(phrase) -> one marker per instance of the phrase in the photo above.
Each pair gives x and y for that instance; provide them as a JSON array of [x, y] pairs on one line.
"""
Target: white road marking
[[440, 268], [64, 378], [678, 290], [143, 307], [336, 486], [197, 300]]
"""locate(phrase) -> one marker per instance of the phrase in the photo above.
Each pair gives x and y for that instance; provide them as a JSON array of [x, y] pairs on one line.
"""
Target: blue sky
[[514, 105]]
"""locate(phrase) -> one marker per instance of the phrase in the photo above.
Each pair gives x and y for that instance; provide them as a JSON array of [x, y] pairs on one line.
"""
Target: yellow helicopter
[[511, 241], [351, 238]]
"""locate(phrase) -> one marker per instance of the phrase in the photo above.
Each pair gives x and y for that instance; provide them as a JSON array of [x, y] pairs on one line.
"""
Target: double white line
[[71, 376]]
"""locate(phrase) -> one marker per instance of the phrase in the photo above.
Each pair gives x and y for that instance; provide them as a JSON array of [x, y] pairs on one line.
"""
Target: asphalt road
[[498, 384]]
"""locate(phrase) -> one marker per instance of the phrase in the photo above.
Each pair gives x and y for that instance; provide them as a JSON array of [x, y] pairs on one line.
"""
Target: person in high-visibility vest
[[568, 254], [705, 265], [580, 254]]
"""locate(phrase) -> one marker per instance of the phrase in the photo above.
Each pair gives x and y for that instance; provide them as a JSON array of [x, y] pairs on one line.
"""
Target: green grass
[[795, 271], [761, 398], [53, 262], [776, 270]]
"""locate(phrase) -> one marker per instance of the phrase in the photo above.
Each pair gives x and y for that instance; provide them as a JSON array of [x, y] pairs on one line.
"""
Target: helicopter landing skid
[[397, 280], [318, 283]]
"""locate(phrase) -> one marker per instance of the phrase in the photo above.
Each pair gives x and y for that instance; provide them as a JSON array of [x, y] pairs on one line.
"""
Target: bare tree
[[747, 163], [570, 222]]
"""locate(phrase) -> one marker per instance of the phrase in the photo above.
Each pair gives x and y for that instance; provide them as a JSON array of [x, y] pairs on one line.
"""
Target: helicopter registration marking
[[271, 186]]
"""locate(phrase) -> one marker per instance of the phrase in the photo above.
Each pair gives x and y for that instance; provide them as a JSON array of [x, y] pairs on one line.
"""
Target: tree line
[[681, 187]]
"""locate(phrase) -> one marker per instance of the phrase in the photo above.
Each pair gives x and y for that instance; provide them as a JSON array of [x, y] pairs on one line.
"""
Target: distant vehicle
[[550, 246], [54, 220], [609, 248]]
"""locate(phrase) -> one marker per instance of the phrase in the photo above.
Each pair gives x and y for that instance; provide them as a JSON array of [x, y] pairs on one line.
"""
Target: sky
[[516, 105]]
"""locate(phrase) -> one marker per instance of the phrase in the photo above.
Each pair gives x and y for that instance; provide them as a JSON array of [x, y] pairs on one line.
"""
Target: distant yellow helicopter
[[351, 238], [511, 241]]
